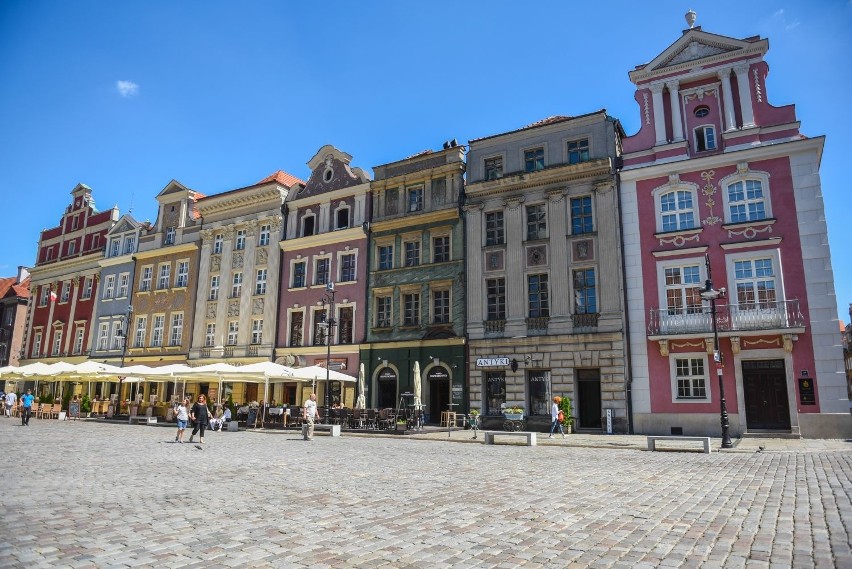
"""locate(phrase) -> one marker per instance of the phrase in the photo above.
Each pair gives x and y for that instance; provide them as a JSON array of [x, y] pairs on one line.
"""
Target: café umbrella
[[361, 403]]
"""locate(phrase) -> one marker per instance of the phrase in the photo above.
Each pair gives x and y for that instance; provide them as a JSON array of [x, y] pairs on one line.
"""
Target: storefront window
[[495, 392], [538, 387]]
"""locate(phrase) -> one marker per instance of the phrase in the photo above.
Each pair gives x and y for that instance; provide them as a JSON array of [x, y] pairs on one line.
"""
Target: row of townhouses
[[639, 275]]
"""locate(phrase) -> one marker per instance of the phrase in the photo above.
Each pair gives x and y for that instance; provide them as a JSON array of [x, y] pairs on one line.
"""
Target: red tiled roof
[[282, 178], [8, 284]]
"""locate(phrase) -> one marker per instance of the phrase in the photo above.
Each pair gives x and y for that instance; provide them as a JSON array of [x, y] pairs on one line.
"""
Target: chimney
[[23, 273]]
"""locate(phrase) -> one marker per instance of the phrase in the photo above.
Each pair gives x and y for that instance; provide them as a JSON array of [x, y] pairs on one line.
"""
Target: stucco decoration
[[701, 92], [233, 308], [583, 250], [215, 263], [679, 240], [211, 310], [697, 344], [260, 258], [692, 51], [735, 344], [494, 261], [237, 260], [750, 232], [776, 342], [206, 236], [664, 348], [788, 343], [709, 345], [757, 91], [709, 190], [647, 108], [257, 306], [536, 256]]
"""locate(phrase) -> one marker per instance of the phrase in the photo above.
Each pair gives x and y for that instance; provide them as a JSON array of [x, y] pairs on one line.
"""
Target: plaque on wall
[[807, 393]]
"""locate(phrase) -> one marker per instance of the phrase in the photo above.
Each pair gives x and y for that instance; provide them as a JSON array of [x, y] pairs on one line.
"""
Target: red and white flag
[[53, 296]]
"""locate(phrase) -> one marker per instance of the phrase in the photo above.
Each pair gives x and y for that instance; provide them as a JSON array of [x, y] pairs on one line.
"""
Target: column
[[727, 99], [250, 279], [659, 115], [68, 341], [203, 287], [475, 298], [607, 253], [323, 221], [226, 276], [515, 266], [674, 98], [557, 214], [745, 95]]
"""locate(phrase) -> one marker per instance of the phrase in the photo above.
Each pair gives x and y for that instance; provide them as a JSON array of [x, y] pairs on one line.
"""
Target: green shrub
[[566, 408], [86, 404]]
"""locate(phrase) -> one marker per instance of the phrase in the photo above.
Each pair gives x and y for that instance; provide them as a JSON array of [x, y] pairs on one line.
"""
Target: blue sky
[[125, 96]]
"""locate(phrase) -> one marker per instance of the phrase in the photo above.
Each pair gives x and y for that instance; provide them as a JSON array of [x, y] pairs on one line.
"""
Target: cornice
[[228, 202], [77, 265], [323, 239], [167, 251], [328, 197], [407, 222], [120, 260], [418, 176], [586, 172]]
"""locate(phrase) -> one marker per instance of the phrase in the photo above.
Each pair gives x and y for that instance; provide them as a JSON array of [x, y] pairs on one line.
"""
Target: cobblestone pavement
[[89, 494]]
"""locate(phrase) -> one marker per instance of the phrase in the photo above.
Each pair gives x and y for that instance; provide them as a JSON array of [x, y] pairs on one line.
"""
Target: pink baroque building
[[720, 191]]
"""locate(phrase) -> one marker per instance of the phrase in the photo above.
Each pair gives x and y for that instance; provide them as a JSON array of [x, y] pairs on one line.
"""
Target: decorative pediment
[[125, 224], [695, 50]]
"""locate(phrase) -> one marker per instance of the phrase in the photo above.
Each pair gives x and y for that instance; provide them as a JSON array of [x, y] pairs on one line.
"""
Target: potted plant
[[86, 405], [513, 412]]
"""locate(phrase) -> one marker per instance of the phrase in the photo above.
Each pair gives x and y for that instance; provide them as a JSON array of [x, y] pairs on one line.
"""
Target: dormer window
[[342, 221], [308, 225], [705, 138], [114, 247], [702, 111], [129, 243], [170, 236], [494, 168]]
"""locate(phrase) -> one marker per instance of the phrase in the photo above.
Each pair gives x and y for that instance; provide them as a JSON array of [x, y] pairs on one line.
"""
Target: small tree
[[86, 404], [567, 410]]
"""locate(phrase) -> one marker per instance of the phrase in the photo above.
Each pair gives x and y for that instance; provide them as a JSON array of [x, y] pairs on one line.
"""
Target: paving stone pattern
[[89, 494]]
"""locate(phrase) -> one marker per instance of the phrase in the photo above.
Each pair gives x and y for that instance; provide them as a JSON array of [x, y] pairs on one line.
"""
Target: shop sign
[[333, 363], [438, 372], [387, 374], [496, 361]]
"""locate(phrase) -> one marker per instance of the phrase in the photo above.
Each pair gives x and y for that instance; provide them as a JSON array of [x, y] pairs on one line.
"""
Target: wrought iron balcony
[[495, 325], [756, 316], [585, 320], [537, 324]]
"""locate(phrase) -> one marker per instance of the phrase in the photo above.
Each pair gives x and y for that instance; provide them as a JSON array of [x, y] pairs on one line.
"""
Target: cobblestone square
[[89, 494]]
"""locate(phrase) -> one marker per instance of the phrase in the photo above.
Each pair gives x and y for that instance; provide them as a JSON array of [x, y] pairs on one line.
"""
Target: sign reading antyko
[[496, 361]]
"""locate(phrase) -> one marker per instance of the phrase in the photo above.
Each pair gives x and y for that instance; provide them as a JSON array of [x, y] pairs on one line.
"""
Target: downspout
[[619, 164], [466, 356], [280, 277]]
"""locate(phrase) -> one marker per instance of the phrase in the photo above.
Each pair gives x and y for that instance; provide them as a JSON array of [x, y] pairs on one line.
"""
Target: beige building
[[544, 278]]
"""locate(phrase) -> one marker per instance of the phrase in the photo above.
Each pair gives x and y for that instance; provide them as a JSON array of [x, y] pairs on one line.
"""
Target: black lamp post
[[329, 333], [711, 294], [125, 328]]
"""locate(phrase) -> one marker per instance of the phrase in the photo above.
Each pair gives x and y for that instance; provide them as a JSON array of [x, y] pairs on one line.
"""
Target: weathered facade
[[720, 189], [324, 250], [545, 310], [416, 302]]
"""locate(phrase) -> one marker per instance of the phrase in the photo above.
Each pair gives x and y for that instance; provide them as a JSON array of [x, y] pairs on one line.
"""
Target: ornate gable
[[330, 171], [125, 224], [695, 50]]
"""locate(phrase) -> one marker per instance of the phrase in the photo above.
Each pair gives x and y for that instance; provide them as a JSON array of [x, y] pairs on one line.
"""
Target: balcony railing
[[780, 314], [581, 321], [495, 325], [537, 324]]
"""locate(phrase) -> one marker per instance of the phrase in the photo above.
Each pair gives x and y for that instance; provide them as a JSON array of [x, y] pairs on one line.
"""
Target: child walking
[[182, 412]]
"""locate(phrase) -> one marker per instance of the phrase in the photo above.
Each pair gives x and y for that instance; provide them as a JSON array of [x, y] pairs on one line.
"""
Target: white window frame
[[164, 276], [214, 287], [315, 230], [169, 238], [703, 128], [37, 344], [236, 284], [413, 241], [240, 240], [341, 207], [79, 338], [87, 288], [264, 235], [182, 274], [409, 190], [591, 198], [233, 332], [176, 336], [257, 331], [115, 336], [447, 289], [260, 281], [210, 335], [66, 292], [340, 257], [293, 263], [103, 336], [140, 331], [533, 148], [123, 285], [526, 225], [387, 323], [129, 243], [218, 243], [379, 245], [146, 278], [757, 175], [109, 287], [115, 247], [157, 330], [316, 262], [578, 139], [673, 357], [439, 234], [57, 342]]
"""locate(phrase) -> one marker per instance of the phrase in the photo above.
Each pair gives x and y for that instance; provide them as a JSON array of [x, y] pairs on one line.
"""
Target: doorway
[[589, 398], [439, 398], [765, 391]]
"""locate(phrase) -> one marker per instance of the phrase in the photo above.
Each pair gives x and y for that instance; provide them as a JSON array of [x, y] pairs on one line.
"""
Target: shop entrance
[[589, 398], [765, 390], [386, 389], [439, 397]]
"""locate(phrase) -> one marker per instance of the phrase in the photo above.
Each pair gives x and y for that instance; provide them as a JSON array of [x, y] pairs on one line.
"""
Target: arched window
[[677, 210], [746, 201]]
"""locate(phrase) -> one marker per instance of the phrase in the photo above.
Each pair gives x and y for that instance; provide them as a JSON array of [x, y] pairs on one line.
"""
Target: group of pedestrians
[[9, 399], [199, 414]]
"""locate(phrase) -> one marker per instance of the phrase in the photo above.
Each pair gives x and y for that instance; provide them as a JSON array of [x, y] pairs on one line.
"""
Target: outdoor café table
[[276, 415]]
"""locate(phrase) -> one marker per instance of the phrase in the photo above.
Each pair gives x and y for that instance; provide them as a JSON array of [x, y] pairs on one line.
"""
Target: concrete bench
[[333, 429], [530, 436], [652, 441], [142, 419]]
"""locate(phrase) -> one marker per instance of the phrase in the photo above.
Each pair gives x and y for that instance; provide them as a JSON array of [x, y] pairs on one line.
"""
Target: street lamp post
[[125, 328], [328, 299], [711, 294]]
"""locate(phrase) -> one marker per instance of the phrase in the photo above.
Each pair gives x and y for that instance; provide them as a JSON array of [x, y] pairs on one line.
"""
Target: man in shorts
[[10, 402]]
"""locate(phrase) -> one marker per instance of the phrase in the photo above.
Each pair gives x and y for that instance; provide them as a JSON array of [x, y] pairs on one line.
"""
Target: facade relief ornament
[[697, 344], [761, 342], [233, 308], [557, 196], [647, 108], [260, 258], [709, 345], [742, 168], [211, 310], [664, 348], [75, 281], [257, 306], [206, 236], [678, 240], [513, 203], [251, 228], [735, 344], [215, 263], [709, 190], [701, 92], [788, 342], [750, 232], [237, 260], [757, 91], [228, 232], [603, 187]]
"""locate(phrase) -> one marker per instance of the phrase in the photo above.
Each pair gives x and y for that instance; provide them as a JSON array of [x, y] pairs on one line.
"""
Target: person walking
[[200, 416], [27, 402], [182, 416], [10, 402], [310, 415], [556, 416]]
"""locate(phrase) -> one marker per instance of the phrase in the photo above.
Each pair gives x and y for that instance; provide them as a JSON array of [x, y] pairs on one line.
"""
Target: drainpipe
[[280, 277], [466, 354], [627, 360]]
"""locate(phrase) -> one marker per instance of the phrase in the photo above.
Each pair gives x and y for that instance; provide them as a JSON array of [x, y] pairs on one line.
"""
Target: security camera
[[329, 286]]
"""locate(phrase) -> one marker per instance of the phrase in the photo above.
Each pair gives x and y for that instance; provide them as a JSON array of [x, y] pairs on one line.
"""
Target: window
[[57, 343], [297, 323], [755, 284], [495, 392], [308, 225], [411, 309], [72, 247], [412, 253], [87, 288], [342, 218], [705, 138], [534, 159], [345, 325], [578, 151], [257, 331], [385, 257], [536, 222], [129, 244], [581, 215], [683, 290], [441, 249], [141, 327], [347, 267], [746, 201], [109, 287], [78, 340], [690, 378], [415, 199], [96, 239], [176, 337], [322, 271], [383, 311], [702, 111], [114, 247], [538, 386], [123, 283], [260, 282], [116, 336], [182, 278], [494, 234], [218, 242], [392, 201], [496, 293], [439, 191], [299, 274], [45, 294], [494, 168], [537, 296], [165, 273], [214, 288], [237, 284], [66, 292], [320, 327], [103, 336], [585, 292], [241, 240], [677, 210], [37, 345], [210, 335], [170, 235], [233, 332], [145, 281], [157, 333], [263, 239], [441, 306]]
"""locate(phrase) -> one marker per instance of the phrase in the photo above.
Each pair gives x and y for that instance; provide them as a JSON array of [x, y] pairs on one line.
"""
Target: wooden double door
[[765, 390]]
